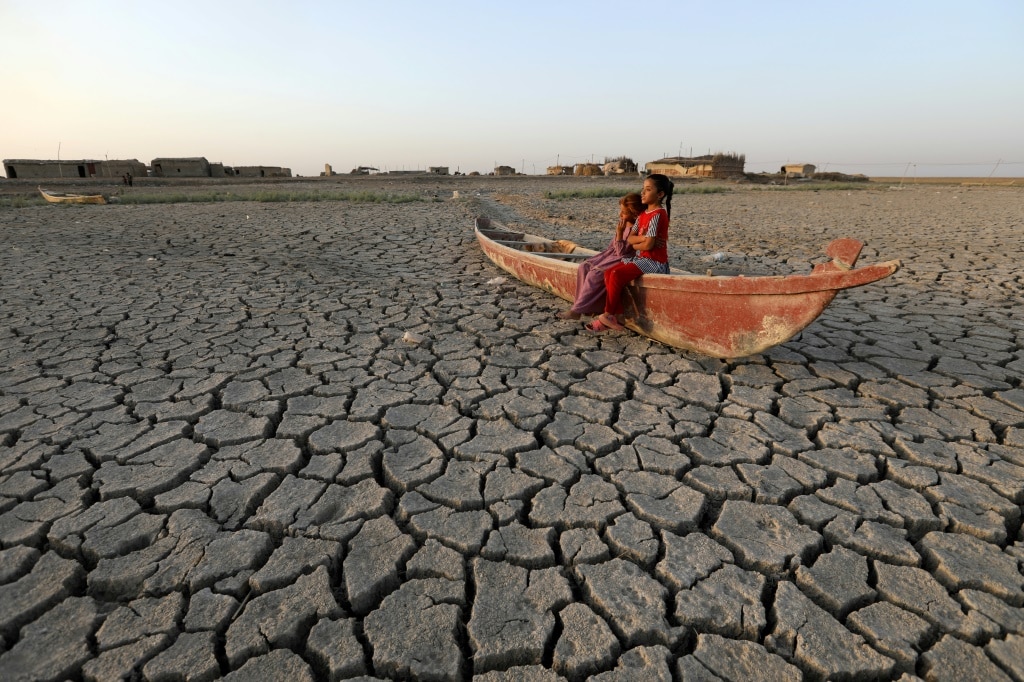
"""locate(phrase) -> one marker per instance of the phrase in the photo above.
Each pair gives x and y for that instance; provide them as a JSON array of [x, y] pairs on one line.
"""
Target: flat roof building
[[71, 168]]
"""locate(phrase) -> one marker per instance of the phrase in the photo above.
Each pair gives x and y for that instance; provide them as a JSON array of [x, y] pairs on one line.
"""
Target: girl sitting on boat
[[651, 243], [590, 292]]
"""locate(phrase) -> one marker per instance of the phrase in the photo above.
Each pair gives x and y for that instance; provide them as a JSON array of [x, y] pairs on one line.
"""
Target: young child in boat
[[590, 293], [651, 243]]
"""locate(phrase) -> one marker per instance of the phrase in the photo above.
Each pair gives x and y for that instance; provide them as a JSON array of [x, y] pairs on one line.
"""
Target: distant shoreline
[[952, 180], [27, 187]]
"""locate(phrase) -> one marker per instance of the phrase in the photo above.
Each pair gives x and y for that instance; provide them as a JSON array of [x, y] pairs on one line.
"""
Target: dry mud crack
[[247, 441]]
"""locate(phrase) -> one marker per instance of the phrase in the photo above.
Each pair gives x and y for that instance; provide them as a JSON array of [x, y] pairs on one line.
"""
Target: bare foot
[[568, 315]]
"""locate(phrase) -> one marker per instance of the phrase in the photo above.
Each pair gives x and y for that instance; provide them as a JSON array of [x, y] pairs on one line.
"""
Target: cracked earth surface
[[332, 441]]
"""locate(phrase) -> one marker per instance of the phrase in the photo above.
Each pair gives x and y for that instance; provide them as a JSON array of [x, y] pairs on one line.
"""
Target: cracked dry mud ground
[[322, 441]]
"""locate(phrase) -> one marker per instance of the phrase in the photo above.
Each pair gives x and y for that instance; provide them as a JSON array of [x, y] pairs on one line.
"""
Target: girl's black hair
[[663, 184]]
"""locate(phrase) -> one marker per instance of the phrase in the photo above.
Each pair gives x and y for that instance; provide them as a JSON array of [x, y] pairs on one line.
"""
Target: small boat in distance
[[62, 198], [725, 316]]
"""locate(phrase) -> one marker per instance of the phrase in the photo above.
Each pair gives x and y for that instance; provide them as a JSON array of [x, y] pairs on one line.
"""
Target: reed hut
[[798, 170], [719, 165], [588, 169], [620, 166]]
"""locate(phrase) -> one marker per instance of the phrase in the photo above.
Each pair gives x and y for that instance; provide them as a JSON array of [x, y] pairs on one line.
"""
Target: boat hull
[[720, 316], [61, 198]]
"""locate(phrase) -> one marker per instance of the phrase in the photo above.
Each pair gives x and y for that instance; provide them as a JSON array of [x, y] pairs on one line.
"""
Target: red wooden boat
[[721, 316]]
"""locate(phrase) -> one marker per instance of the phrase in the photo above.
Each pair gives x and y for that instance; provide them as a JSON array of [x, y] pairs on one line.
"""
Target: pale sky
[[881, 87]]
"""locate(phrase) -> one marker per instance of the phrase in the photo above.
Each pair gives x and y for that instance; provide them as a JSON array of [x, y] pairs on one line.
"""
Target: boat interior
[[562, 248]]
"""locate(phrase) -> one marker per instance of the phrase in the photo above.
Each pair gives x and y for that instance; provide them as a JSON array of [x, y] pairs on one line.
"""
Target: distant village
[[724, 166], [190, 167]]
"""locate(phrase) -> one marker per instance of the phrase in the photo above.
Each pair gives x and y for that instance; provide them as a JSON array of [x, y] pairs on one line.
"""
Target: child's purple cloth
[[590, 290]]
